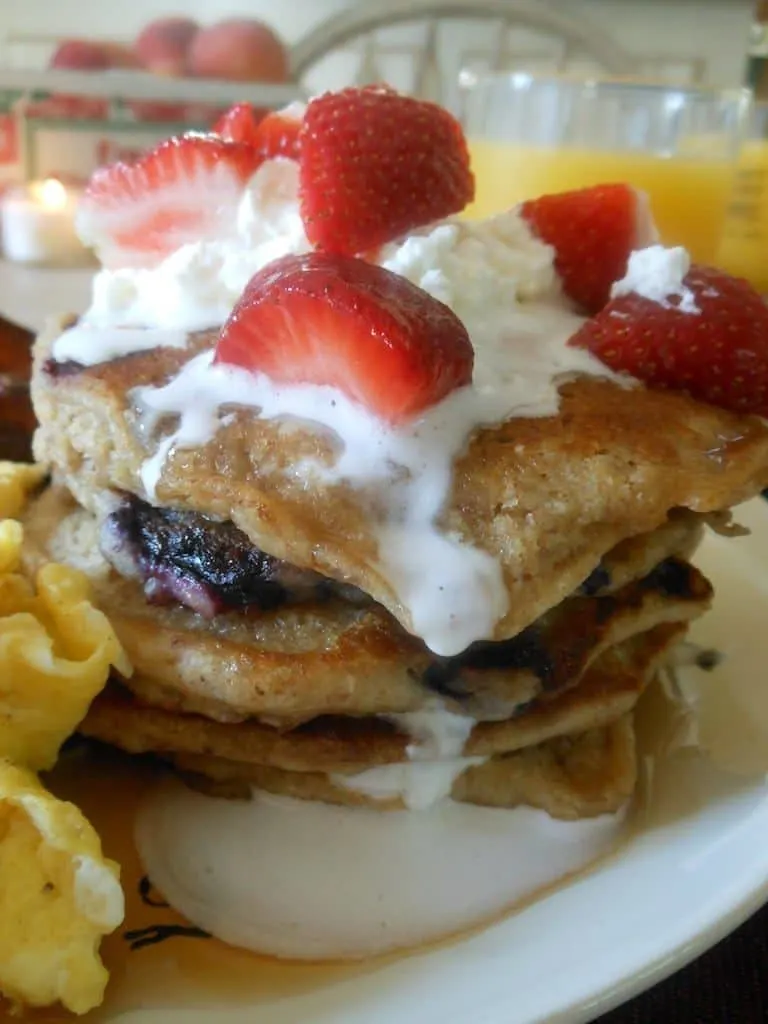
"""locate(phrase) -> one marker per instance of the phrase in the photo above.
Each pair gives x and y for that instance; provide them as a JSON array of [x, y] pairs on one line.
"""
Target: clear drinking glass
[[744, 250], [531, 135]]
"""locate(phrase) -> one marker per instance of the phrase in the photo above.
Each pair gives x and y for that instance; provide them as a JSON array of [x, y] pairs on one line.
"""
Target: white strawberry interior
[[200, 203]]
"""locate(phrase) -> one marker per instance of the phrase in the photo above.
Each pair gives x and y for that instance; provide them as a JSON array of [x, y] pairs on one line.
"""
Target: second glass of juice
[[532, 135]]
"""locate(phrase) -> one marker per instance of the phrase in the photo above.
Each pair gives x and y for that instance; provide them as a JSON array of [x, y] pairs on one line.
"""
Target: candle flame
[[53, 194]]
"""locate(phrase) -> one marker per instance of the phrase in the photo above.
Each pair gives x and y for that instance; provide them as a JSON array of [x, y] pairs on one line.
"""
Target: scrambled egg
[[59, 894], [55, 653], [16, 482]]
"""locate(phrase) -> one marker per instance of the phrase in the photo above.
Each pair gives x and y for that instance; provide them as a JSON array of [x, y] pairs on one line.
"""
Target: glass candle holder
[[37, 225]]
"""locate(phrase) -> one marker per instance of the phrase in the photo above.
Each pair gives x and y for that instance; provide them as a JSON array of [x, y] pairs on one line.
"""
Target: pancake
[[293, 664], [607, 692], [678, 537], [547, 497], [571, 777]]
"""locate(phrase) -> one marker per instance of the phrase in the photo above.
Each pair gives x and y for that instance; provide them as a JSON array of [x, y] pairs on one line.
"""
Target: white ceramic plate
[[692, 873]]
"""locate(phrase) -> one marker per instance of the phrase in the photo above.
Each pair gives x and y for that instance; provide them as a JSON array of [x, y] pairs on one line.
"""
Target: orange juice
[[689, 195], [744, 250]]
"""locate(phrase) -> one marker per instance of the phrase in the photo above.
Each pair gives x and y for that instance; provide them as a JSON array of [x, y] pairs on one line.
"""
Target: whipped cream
[[434, 731], [89, 345], [437, 739], [376, 881], [196, 287], [658, 274], [135, 309], [501, 282], [419, 785]]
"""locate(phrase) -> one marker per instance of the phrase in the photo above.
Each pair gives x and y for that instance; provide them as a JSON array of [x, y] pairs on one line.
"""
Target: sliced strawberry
[[375, 164], [712, 344], [272, 134], [239, 123], [593, 231], [342, 322], [278, 134], [185, 190]]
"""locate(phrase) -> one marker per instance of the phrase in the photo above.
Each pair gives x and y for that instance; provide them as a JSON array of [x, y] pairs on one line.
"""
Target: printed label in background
[[744, 249], [10, 138]]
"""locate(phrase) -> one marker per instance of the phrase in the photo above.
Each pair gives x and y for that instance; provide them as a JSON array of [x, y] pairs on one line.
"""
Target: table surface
[[29, 295], [727, 985]]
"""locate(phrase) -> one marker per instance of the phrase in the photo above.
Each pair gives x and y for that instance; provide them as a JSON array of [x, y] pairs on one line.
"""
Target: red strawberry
[[375, 164], [238, 124], [718, 354], [185, 190], [278, 134], [339, 321], [274, 134], [593, 231]]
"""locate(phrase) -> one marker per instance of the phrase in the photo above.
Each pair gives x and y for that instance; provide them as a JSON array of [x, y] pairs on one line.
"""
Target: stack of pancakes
[[270, 653]]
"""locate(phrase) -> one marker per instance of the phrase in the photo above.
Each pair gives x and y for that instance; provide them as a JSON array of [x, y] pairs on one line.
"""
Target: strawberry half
[[718, 354], [375, 164], [238, 124], [342, 322], [187, 189], [271, 134], [593, 231], [278, 134]]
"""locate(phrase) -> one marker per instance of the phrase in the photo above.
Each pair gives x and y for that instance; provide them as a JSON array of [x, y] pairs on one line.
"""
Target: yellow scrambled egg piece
[[17, 481], [58, 894], [55, 654], [58, 898]]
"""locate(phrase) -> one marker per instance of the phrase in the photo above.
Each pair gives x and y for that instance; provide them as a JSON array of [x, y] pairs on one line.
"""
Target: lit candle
[[38, 224]]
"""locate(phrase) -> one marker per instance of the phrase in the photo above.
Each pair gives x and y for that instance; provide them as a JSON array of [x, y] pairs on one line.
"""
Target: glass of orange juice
[[744, 249], [530, 135]]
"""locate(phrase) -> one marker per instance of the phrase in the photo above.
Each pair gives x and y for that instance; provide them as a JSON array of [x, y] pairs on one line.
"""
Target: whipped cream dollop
[[658, 274], [195, 288], [375, 881]]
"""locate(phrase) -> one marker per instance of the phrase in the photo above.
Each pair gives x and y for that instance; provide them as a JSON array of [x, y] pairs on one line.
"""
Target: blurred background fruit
[[120, 56], [163, 45], [235, 49], [240, 50], [80, 55]]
